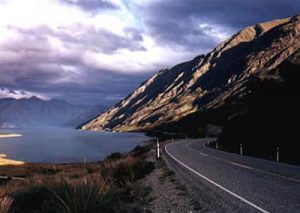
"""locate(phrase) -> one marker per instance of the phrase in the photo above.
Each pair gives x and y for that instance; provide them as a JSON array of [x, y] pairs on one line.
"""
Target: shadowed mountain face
[[270, 115], [197, 92], [34, 112]]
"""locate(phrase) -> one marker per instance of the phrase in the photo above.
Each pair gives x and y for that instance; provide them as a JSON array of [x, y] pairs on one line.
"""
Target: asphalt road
[[227, 182]]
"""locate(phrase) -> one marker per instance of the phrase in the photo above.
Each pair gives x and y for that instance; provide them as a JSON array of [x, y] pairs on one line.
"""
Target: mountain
[[35, 112], [210, 88], [269, 115]]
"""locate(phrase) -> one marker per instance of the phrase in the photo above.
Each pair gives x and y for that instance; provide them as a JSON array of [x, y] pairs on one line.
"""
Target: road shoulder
[[210, 198], [166, 193]]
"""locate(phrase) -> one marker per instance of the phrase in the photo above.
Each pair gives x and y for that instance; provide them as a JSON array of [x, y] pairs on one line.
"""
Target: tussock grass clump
[[5, 202], [85, 196], [29, 198]]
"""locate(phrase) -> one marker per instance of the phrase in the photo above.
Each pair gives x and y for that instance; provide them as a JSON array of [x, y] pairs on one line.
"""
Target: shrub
[[114, 156], [140, 150], [123, 174], [131, 170], [141, 168]]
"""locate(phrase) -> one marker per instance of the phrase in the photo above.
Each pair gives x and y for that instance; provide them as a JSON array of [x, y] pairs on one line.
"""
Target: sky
[[98, 51]]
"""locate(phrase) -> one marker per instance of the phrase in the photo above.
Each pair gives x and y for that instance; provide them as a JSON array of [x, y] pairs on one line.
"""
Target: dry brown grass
[[5, 202], [89, 187]]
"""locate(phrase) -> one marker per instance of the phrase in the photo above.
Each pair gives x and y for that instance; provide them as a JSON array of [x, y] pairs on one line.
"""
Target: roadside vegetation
[[106, 186]]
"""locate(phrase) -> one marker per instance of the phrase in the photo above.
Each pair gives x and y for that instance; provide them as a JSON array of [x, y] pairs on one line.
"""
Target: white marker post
[[157, 149], [277, 154], [217, 145], [241, 149]]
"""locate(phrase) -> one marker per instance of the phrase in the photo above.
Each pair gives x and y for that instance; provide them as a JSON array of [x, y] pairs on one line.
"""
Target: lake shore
[[4, 161], [9, 135]]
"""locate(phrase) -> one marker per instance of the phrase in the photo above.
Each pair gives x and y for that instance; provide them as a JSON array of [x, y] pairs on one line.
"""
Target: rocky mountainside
[[35, 112], [269, 115], [184, 93]]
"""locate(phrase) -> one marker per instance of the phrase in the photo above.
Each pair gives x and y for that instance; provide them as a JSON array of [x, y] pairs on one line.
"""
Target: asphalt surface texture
[[227, 182]]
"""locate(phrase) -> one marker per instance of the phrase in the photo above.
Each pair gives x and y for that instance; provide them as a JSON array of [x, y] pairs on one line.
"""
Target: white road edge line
[[253, 168], [241, 165], [216, 184]]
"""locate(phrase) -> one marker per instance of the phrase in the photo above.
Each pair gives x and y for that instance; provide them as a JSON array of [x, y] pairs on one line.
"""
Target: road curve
[[235, 183]]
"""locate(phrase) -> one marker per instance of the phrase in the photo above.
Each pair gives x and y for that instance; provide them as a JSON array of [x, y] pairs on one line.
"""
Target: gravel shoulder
[[164, 192]]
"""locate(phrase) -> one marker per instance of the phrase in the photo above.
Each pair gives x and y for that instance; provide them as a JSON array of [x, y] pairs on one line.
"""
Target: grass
[[74, 188], [85, 196], [132, 170], [5, 202], [167, 173]]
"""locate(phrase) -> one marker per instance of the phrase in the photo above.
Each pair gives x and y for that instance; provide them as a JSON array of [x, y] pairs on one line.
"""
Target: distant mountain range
[[247, 85], [35, 112]]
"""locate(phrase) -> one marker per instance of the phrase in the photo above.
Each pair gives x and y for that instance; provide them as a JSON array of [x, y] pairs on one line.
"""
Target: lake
[[62, 145]]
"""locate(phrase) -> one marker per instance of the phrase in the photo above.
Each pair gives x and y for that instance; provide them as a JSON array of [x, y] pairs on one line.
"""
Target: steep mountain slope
[[269, 116], [36, 112], [206, 82]]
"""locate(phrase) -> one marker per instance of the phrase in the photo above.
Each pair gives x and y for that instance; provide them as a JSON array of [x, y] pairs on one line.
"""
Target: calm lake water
[[62, 145]]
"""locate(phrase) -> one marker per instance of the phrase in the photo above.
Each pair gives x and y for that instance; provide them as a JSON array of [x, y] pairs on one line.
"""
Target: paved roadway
[[228, 182]]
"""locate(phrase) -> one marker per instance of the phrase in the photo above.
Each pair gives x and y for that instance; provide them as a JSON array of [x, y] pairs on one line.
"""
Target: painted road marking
[[247, 167], [201, 153], [216, 184], [241, 165]]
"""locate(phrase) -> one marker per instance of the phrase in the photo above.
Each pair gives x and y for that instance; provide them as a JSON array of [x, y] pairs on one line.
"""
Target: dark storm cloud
[[177, 22], [95, 87], [30, 62], [32, 56], [101, 40], [90, 87], [88, 38], [91, 5], [106, 89], [53, 60]]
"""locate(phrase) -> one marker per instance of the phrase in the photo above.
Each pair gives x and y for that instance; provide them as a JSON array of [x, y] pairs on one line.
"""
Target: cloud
[[17, 94], [91, 5], [97, 51], [201, 24]]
